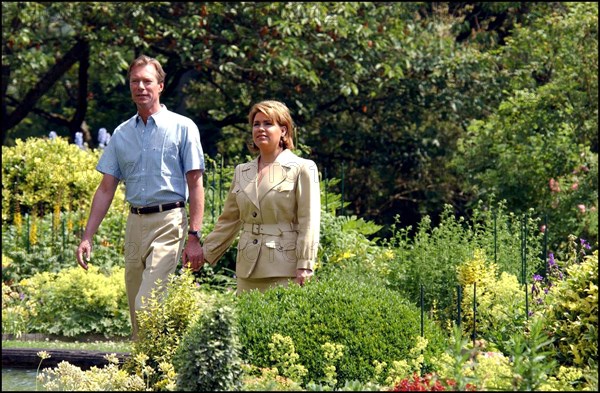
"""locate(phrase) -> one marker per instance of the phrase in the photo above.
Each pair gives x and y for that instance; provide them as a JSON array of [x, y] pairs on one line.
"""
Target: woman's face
[[266, 134]]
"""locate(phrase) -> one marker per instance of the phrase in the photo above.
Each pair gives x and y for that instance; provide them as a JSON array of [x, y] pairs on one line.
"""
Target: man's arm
[[100, 204], [192, 254]]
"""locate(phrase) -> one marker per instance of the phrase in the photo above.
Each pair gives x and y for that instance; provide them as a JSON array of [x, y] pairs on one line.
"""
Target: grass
[[108, 346]]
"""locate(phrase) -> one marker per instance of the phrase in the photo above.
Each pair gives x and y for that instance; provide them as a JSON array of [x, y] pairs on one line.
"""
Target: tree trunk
[[10, 120]]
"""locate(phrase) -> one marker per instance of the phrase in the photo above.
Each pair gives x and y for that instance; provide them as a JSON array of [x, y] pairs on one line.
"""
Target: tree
[[539, 149]]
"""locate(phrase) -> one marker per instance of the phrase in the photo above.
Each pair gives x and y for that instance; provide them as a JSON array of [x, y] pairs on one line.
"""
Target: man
[[157, 153]]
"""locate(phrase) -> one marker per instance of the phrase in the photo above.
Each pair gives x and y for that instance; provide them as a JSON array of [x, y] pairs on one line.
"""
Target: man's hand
[[193, 255], [84, 250]]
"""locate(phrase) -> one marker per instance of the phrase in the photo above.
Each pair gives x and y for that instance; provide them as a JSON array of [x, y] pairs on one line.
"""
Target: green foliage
[[546, 128], [572, 314], [500, 301], [531, 355], [344, 245], [41, 174], [431, 255], [266, 379], [55, 244], [207, 358], [15, 315], [371, 322], [164, 321], [454, 364], [77, 302], [67, 377]]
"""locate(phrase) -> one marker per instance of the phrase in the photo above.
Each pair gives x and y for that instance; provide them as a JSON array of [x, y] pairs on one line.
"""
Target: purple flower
[[103, 137], [79, 139], [551, 261], [52, 135], [537, 277], [585, 244]]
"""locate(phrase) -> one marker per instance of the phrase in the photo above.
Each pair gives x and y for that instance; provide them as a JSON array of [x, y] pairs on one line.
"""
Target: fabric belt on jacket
[[157, 208], [269, 229]]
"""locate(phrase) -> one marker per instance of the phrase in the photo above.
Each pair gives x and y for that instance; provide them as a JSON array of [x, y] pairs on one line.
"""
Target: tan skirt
[[262, 284]]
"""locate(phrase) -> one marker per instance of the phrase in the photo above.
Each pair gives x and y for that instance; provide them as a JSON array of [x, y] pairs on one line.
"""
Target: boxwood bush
[[370, 321]]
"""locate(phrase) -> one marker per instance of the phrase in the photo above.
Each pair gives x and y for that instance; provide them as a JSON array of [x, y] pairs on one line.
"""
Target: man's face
[[145, 89]]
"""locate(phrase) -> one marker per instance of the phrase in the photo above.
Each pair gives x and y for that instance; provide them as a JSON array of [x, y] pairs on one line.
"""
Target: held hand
[[302, 276], [193, 255], [84, 250]]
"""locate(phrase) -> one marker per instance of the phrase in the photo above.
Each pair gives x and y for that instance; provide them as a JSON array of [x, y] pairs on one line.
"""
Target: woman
[[275, 201]]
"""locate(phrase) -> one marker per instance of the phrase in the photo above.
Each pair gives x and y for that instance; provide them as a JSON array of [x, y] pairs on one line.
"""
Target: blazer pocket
[[283, 247], [286, 186], [248, 248]]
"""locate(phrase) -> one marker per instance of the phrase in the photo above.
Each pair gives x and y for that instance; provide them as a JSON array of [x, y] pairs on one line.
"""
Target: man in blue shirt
[[158, 155]]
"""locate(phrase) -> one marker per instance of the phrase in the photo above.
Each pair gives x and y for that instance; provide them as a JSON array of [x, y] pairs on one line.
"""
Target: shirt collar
[[154, 117]]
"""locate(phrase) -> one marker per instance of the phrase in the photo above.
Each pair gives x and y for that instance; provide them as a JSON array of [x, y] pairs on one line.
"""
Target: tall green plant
[[430, 256], [208, 358]]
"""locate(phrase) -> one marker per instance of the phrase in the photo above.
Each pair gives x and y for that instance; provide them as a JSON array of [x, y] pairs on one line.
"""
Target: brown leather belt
[[158, 208]]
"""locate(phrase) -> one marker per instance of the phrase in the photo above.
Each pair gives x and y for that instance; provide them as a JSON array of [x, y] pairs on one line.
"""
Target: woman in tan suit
[[275, 201]]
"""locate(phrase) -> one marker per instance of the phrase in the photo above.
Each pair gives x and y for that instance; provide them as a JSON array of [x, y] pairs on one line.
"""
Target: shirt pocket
[[170, 159]]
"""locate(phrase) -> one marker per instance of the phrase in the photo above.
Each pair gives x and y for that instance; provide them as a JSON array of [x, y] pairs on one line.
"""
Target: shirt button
[[255, 241], [254, 214]]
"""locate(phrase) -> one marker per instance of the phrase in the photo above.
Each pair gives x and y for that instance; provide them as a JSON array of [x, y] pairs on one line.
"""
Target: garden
[[457, 144], [468, 304]]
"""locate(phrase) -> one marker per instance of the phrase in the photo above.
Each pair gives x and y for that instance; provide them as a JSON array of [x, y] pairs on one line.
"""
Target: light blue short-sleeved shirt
[[152, 159]]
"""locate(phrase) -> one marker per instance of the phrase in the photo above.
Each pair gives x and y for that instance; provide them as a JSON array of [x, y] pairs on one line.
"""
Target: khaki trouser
[[153, 245]]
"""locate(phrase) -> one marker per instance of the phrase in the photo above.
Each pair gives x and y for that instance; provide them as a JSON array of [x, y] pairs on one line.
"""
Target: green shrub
[[40, 175], [207, 359], [163, 323], [370, 321], [76, 302], [500, 307], [430, 256], [15, 314], [344, 245], [572, 313], [66, 377], [54, 248]]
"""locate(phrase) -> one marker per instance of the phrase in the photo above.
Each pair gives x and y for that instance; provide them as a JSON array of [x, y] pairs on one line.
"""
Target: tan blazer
[[280, 219]]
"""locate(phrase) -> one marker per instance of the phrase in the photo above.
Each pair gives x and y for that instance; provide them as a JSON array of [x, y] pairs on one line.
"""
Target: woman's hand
[[302, 276]]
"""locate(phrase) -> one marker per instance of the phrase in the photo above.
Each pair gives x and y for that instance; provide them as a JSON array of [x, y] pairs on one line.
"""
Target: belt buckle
[[257, 230], [137, 210]]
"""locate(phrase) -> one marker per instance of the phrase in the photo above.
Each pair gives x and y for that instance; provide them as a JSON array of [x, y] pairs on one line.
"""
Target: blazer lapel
[[248, 181], [277, 174]]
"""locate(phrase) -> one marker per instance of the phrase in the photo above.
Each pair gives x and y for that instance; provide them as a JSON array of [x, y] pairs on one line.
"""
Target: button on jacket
[[279, 219]]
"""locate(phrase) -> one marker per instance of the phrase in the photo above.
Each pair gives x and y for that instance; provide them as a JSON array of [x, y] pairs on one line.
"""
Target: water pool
[[19, 380]]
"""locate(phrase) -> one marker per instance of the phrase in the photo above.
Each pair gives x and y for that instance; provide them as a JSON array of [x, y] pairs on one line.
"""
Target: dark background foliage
[[413, 105]]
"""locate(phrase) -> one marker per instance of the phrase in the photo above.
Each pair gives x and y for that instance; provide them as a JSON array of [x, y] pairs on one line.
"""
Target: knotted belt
[[269, 229]]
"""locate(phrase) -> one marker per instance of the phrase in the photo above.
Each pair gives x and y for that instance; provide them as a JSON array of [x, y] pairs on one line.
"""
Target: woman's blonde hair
[[279, 113]]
